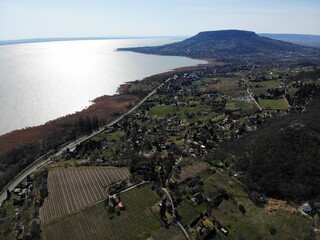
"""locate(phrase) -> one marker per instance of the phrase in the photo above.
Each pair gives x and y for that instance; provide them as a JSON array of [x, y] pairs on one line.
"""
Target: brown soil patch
[[275, 205], [215, 86]]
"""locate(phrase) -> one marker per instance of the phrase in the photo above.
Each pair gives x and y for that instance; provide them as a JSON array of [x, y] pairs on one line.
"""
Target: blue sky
[[21, 19]]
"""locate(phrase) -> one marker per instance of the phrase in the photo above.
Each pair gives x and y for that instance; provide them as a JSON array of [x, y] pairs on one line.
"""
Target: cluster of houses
[[21, 192]]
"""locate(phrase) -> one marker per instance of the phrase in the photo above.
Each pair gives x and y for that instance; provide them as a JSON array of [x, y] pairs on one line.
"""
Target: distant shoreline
[[39, 40]]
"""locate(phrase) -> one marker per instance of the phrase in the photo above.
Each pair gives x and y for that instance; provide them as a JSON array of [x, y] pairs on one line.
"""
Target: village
[[167, 140]]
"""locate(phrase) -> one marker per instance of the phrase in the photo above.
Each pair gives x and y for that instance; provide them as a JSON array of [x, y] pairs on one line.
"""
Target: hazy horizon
[[180, 37], [81, 19]]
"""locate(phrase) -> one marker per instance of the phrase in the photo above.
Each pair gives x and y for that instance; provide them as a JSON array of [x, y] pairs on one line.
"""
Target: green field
[[189, 210], [181, 111], [234, 104], [258, 91], [273, 104], [114, 136], [137, 221], [161, 111], [228, 88], [266, 84]]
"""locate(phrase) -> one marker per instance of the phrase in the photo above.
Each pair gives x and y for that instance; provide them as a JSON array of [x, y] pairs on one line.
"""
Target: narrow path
[[252, 99], [178, 223]]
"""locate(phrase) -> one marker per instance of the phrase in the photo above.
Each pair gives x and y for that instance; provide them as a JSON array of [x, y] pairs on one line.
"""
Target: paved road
[[42, 161]]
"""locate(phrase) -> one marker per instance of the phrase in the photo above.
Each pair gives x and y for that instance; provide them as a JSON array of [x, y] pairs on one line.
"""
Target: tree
[[8, 194]]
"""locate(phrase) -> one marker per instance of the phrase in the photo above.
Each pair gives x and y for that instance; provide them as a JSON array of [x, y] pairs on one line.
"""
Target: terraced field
[[137, 221], [74, 188]]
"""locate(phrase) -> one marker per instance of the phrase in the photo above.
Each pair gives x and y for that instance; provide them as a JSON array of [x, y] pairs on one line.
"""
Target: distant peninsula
[[228, 45]]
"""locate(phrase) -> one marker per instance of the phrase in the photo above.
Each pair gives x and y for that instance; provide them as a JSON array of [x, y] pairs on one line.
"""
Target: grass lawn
[[259, 91], [189, 210], [161, 111], [273, 104], [266, 84], [292, 90], [172, 233], [228, 88], [234, 104]]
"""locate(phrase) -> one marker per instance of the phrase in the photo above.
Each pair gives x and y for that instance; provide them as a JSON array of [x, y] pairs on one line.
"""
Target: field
[[265, 84], [137, 221], [161, 111], [189, 171], [273, 104], [74, 188], [172, 233], [233, 104], [189, 210]]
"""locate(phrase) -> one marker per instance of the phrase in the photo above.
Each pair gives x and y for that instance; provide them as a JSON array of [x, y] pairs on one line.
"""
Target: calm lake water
[[43, 81]]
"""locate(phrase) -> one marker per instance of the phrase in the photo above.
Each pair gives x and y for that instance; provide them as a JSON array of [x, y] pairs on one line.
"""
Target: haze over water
[[47, 80]]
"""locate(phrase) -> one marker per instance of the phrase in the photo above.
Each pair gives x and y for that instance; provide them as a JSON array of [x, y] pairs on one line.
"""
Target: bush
[[273, 230], [241, 208]]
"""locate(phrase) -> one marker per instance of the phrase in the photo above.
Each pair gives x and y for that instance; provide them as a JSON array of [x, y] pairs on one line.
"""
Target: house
[[306, 208], [115, 201], [17, 190], [169, 206], [198, 198], [120, 205]]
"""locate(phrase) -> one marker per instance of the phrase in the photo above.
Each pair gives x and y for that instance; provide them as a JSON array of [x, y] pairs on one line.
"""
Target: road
[[252, 98], [42, 161], [178, 223]]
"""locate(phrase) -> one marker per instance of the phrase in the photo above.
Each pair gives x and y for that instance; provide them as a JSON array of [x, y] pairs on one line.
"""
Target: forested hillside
[[282, 158]]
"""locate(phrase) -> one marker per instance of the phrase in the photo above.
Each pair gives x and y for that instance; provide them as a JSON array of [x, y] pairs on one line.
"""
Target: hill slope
[[223, 44]]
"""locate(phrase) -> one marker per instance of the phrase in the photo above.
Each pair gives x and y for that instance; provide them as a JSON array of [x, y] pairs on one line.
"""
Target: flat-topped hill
[[224, 44]]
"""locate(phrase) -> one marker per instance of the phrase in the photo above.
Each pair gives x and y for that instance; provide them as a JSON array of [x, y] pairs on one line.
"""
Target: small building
[[120, 205], [224, 231], [306, 208], [17, 190], [198, 198]]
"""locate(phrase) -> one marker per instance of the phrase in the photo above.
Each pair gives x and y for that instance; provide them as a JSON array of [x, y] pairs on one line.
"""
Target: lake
[[46, 80]]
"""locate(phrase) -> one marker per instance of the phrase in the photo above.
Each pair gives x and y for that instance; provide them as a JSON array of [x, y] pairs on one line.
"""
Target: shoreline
[[103, 107]]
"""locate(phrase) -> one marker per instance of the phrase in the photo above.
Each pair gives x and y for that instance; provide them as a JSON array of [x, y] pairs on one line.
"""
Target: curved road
[[178, 223], [44, 160]]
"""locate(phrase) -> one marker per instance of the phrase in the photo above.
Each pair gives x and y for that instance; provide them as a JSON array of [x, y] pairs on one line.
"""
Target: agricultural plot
[[189, 171], [172, 233], [137, 221], [264, 84], [189, 211], [234, 104], [74, 188], [273, 104]]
